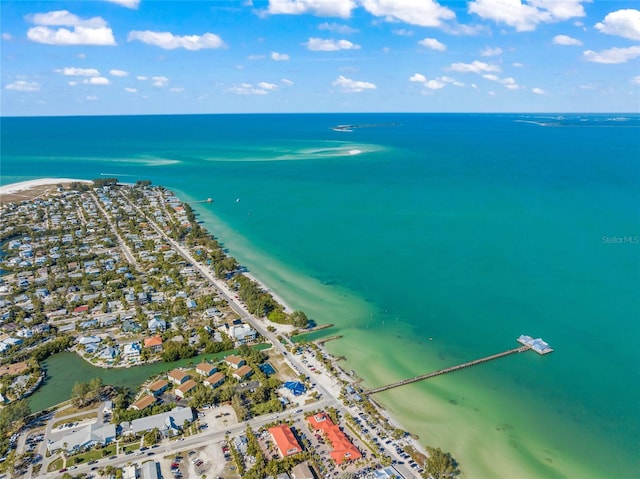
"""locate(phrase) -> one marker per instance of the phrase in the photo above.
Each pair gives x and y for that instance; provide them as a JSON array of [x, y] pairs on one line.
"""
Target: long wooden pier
[[446, 370]]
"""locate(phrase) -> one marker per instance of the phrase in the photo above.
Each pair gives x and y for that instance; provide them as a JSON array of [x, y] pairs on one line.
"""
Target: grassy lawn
[[93, 454], [55, 465], [73, 410]]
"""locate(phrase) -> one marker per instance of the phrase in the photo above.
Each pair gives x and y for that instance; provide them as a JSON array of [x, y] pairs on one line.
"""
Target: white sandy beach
[[25, 185]]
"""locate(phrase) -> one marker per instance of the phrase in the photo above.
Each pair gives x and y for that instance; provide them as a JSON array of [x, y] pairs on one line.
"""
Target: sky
[[119, 57]]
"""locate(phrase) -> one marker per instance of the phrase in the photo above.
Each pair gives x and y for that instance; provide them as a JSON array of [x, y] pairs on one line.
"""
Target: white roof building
[[85, 437], [168, 423]]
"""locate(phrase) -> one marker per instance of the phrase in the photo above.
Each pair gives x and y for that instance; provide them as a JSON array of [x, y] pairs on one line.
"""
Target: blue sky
[[150, 57]]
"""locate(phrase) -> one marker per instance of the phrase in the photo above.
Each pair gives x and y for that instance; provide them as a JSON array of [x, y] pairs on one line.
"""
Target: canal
[[65, 369]]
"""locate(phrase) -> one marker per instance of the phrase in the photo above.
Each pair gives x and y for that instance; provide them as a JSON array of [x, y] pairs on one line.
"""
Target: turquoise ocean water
[[428, 240]]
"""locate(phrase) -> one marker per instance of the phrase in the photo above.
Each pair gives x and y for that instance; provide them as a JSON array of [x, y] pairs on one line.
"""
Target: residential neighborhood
[[123, 275]]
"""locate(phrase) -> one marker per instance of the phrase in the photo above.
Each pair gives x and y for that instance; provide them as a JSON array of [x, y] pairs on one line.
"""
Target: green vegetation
[[440, 465], [83, 393], [11, 419], [174, 351], [100, 182]]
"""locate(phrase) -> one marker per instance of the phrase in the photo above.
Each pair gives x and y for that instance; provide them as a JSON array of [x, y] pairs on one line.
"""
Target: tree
[[441, 465], [299, 319]]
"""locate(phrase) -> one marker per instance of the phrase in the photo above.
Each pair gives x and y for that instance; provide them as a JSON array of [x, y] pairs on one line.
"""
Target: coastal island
[[124, 276]]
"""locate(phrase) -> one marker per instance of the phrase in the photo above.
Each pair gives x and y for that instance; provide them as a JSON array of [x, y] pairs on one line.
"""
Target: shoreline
[[221, 285], [28, 184]]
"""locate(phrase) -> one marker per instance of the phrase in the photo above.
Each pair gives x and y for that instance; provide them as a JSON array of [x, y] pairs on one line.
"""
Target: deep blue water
[[466, 229]]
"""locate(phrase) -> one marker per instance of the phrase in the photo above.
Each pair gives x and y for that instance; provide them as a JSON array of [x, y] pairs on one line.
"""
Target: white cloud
[[64, 18], [82, 56], [321, 8], [430, 84], [636, 80], [22, 85], [131, 90], [267, 86], [612, 55], [6, 36], [566, 40], [337, 28], [403, 32], [425, 13], [91, 97], [517, 65], [446, 79], [91, 31], [133, 4], [169, 41], [79, 72], [508, 82], [474, 67], [623, 23], [159, 81], [347, 85], [526, 16], [118, 73], [72, 83], [256, 57], [538, 91], [142, 78], [433, 44], [176, 90], [491, 52], [279, 57], [96, 81], [249, 89], [286, 81], [329, 45], [79, 36]]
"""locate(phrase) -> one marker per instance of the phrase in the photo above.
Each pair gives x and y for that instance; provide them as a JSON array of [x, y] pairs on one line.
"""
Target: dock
[[527, 342]]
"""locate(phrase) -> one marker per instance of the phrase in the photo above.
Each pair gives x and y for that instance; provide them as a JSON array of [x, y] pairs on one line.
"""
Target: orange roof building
[[287, 443], [235, 361], [144, 403], [342, 448], [158, 387], [206, 369], [154, 343], [178, 376], [243, 372], [214, 380], [183, 390]]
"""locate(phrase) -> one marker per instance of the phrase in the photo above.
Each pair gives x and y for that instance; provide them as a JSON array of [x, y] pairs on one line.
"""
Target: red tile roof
[[285, 440], [342, 447], [153, 341]]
